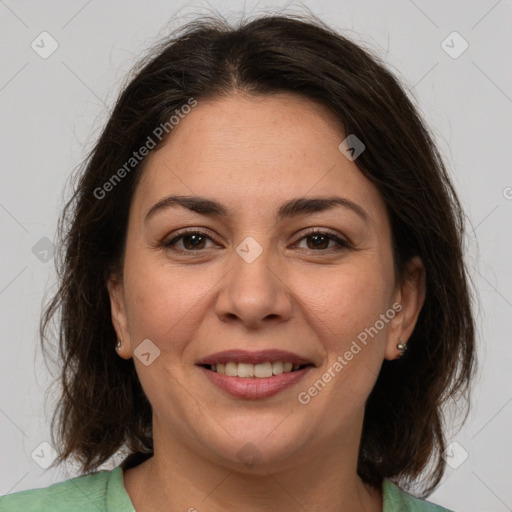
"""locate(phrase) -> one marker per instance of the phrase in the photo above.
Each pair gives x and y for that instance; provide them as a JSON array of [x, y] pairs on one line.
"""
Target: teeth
[[262, 370], [245, 370], [277, 367], [231, 369], [259, 371]]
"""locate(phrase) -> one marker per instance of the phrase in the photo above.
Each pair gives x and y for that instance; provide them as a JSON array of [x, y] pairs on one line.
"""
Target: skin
[[253, 153]]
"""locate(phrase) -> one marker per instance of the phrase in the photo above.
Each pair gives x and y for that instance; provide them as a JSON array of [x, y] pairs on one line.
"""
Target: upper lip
[[260, 356]]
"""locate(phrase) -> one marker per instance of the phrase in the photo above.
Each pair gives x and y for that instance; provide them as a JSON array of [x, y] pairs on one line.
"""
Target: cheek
[[164, 301], [345, 300], [348, 308]]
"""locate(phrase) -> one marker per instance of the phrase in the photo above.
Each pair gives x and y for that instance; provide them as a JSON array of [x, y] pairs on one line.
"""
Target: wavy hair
[[103, 407]]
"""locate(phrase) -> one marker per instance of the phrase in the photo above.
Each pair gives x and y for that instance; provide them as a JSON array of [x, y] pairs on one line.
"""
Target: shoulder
[[100, 491], [396, 500]]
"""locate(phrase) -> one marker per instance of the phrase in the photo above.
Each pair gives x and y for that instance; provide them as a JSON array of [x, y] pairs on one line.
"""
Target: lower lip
[[252, 388]]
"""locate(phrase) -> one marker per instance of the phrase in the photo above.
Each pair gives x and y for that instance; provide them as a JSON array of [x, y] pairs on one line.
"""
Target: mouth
[[255, 371], [252, 375]]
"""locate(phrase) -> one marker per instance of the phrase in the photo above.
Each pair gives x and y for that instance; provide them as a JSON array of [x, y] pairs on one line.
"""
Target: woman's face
[[245, 275]]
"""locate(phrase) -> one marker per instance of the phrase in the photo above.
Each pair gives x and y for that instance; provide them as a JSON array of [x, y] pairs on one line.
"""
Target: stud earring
[[119, 344], [402, 346]]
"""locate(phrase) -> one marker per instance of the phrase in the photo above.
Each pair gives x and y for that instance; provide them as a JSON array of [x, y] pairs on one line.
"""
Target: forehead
[[255, 151]]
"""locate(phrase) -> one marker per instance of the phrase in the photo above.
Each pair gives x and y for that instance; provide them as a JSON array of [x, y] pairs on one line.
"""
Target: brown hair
[[103, 407]]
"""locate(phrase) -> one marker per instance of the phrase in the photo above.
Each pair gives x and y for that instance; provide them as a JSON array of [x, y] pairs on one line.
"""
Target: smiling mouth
[[254, 371]]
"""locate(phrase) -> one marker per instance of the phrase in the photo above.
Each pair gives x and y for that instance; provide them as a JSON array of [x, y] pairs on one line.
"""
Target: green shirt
[[104, 491]]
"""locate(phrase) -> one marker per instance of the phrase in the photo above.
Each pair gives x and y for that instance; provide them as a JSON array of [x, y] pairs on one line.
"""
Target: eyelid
[[341, 240], [167, 241]]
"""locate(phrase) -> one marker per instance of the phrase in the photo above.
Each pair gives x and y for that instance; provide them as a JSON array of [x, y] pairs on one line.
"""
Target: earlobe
[[119, 319], [411, 296]]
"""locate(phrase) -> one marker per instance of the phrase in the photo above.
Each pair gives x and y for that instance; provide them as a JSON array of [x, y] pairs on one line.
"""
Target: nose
[[254, 293]]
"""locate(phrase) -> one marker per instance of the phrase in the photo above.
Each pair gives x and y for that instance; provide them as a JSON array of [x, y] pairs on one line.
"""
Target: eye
[[322, 240], [317, 240], [188, 241]]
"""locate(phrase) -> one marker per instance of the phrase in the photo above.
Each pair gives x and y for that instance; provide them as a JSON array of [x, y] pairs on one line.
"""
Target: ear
[[410, 294], [118, 312]]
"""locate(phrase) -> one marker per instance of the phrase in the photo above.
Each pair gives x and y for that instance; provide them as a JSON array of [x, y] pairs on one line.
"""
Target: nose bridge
[[253, 291]]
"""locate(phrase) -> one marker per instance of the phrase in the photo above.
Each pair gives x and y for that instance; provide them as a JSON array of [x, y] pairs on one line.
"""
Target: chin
[[260, 453]]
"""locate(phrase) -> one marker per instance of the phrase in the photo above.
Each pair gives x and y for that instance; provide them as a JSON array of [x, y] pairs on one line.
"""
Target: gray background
[[53, 108]]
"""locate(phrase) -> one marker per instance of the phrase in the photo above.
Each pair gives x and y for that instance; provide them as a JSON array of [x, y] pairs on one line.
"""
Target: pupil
[[195, 239], [318, 240]]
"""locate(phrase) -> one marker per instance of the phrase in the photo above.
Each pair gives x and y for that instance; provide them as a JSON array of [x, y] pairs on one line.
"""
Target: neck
[[178, 478]]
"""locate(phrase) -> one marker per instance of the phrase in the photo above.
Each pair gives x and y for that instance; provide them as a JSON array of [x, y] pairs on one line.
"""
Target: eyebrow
[[292, 208]]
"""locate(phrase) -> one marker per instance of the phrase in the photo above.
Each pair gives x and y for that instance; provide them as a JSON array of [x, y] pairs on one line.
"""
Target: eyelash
[[342, 244]]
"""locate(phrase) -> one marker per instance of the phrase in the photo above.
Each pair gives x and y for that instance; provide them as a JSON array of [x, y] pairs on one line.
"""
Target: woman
[[263, 295]]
